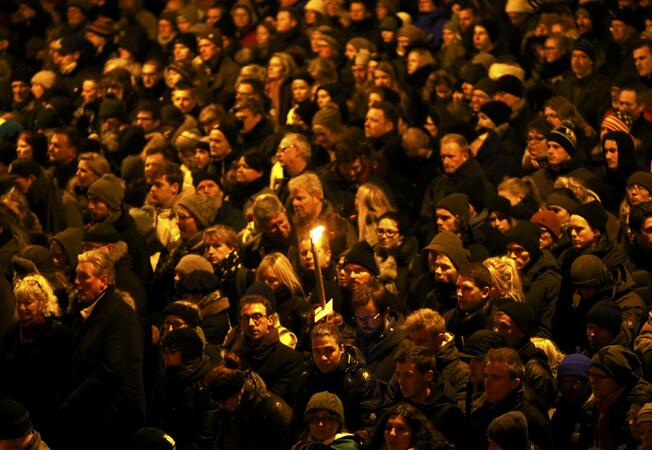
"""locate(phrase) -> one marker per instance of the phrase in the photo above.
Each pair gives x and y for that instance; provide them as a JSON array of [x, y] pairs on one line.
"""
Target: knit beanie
[[109, 189], [14, 420], [201, 207], [171, 115], [607, 315], [479, 343], [486, 85], [642, 179], [112, 108], [564, 136], [548, 220], [526, 234], [262, 289], [497, 111], [576, 365], [97, 163], [588, 271], [184, 340], [522, 314], [412, 32], [102, 26], [594, 213], [457, 204], [47, 118], [198, 282], [510, 84], [205, 175], [328, 117], [390, 23], [363, 255], [326, 401], [152, 439], [617, 121], [564, 198], [215, 36], [393, 6], [193, 262], [586, 47], [619, 363], [472, 73], [644, 414], [509, 431], [185, 312], [188, 40], [450, 245], [187, 141], [230, 132], [45, 78], [101, 233], [132, 168]]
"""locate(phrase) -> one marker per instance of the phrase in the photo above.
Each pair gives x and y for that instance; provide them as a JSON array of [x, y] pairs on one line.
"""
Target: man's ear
[[429, 375], [485, 292], [516, 383]]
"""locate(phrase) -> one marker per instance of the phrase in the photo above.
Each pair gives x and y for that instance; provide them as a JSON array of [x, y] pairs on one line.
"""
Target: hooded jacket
[[541, 283]]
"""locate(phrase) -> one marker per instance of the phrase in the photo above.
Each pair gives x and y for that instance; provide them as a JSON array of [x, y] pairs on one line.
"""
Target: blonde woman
[[506, 280], [35, 349], [522, 194], [293, 309], [370, 203], [281, 67]]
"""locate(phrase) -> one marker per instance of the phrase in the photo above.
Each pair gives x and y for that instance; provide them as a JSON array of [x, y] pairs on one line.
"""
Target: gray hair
[[266, 207], [102, 264], [308, 181], [302, 144]]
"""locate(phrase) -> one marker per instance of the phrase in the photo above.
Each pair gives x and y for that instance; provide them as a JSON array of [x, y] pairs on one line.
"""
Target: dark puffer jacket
[[541, 284], [355, 385], [380, 351]]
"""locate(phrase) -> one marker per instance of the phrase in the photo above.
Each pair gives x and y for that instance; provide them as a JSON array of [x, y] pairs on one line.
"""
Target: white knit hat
[[45, 78]]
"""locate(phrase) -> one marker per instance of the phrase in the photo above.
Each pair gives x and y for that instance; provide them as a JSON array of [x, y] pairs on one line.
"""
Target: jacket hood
[[71, 241]]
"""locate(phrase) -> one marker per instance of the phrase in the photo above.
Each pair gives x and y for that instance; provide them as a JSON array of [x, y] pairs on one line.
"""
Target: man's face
[[181, 52], [209, 188], [425, 337], [278, 228], [446, 221], [643, 61], [443, 268], [324, 137], [287, 152], [497, 382], [325, 50], [637, 193], [243, 90], [376, 124], [88, 285], [75, 15], [581, 232], [326, 354], [184, 100], [557, 155], [598, 337], [581, 63], [628, 102], [162, 193], [469, 296], [306, 258], [466, 19], [620, 31], [19, 91], [611, 153], [357, 12], [644, 235], [85, 175], [476, 367], [255, 321], [98, 209], [481, 40], [504, 325], [152, 163], [350, 171], [357, 275], [602, 385], [186, 223], [59, 150], [145, 120], [300, 90], [150, 75], [90, 91], [368, 318], [452, 157], [218, 144], [478, 98], [519, 254], [306, 206], [284, 22], [411, 381], [382, 78], [248, 119], [207, 49]]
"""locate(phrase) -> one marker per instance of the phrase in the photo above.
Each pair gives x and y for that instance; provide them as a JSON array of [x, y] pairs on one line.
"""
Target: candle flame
[[316, 234]]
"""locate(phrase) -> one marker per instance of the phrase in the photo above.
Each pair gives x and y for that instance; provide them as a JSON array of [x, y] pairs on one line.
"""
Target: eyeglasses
[[389, 233], [284, 149], [636, 188], [257, 318], [366, 319], [596, 376]]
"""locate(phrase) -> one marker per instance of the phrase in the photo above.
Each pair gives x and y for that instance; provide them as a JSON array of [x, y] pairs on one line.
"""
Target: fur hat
[[109, 189]]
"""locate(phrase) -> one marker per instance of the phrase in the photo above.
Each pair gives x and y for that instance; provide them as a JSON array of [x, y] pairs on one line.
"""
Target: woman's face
[[413, 62], [349, 52], [37, 90], [240, 17], [217, 251], [181, 52], [275, 68], [323, 98], [172, 77], [448, 36], [536, 144], [23, 149], [262, 35], [389, 236], [300, 90], [398, 434], [268, 275], [552, 116], [551, 50], [28, 310], [218, 144], [581, 232], [431, 126], [323, 425], [244, 173], [382, 78]]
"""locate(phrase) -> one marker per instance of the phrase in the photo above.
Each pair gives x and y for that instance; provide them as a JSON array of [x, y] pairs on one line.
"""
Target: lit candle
[[315, 236]]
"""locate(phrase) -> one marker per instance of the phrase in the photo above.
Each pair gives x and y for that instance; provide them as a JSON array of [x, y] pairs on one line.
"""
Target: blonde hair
[[371, 203], [283, 269], [423, 319], [37, 287], [221, 234], [555, 356], [521, 187], [505, 277], [584, 194]]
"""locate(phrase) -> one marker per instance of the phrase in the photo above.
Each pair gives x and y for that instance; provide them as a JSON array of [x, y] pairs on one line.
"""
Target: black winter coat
[[541, 284], [380, 350]]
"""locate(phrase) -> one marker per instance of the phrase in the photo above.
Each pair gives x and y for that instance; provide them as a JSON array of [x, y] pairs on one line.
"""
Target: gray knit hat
[[329, 117], [457, 204], [109, 189], [326, 401], [450, 245], [202, 208], [509, 431], [193, 262], [589, 270]]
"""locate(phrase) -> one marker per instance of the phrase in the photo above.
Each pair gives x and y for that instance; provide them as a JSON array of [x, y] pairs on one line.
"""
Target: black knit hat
[[188, 314], [510, 84], [594, 213], [509, 431], [14, 420], [607, 315], [184, 340], [363, 255], [522, 314], [564, 198], [230, 132], [187, 39], [480, 342], [564, 136], [450, 245], [526, 234], [205, 175], [619, 363], [198, 282], [101, 233], [486, 85], [497, 111], [152, 439], [586, 47], [112, 108], [457, 204], [499, 204], [325, 401]]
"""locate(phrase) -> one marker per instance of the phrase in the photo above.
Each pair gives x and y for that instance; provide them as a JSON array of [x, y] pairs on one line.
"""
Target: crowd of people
[[482, 173]]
